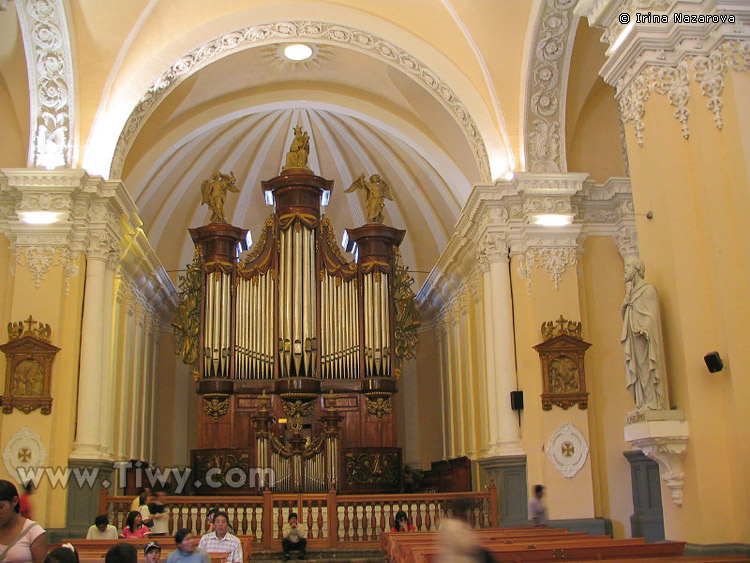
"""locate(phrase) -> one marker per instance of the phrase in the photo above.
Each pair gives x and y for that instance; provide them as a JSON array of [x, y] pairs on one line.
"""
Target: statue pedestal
[[662, 436]]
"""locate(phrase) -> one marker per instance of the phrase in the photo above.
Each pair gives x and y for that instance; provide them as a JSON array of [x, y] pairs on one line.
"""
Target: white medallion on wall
[[25, 450], [567, 450]]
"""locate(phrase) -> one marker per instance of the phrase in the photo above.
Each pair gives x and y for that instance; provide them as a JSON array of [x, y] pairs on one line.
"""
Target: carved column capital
[[492, 248]]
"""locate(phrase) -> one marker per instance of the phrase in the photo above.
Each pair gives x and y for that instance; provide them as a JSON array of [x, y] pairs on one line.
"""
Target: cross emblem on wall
[[567, 449], [24, 455]]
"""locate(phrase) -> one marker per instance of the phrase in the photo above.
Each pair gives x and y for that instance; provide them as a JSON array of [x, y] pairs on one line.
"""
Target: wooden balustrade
[[332, 520]]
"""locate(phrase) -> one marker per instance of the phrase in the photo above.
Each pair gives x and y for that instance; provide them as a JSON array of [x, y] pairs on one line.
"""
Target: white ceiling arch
[[265, 34]]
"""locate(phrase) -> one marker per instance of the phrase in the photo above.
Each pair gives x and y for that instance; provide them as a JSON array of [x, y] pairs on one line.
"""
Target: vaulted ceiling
[[428, 93]]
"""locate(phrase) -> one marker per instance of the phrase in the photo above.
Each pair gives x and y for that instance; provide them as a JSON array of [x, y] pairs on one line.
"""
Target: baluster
[[346, 521], [481, 513], [254, 522], [409, 514], [189, 523], [428, 520], [355, 533], [472, 515], [308, 506], [373, 522], [382, 517], [244, 518], [235, 521], [418, 520], [280, 520], [179, 517], [320, 520]]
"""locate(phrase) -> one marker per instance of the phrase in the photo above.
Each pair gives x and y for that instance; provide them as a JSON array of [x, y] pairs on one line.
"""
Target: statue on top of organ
[[296, 350]]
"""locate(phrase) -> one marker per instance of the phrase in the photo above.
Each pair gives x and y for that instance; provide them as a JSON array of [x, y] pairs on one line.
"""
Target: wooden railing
[[332, 520]]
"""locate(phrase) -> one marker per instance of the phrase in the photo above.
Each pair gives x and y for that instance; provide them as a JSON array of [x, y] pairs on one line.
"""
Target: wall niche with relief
[[29, 356]]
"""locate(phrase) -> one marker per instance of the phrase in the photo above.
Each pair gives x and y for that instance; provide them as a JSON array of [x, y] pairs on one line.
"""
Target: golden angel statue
[[299, 149], [214, 194], [376, 192]]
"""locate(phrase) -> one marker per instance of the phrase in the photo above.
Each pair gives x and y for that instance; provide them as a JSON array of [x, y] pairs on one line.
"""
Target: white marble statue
[[642, 339]]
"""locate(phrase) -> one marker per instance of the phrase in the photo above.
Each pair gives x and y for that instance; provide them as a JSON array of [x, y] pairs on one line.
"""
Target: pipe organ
[[298, 347]]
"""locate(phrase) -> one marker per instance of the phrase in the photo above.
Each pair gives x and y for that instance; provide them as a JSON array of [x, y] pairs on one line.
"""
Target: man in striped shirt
[[221, 541]]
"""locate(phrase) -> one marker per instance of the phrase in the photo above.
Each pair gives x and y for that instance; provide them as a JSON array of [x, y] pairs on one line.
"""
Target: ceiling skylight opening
[[39, 217], [298, 52], [552, 219]]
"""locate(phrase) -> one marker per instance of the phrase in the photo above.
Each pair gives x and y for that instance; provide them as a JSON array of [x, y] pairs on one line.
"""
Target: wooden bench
[[573, 550], [392, 542], [96, 549]]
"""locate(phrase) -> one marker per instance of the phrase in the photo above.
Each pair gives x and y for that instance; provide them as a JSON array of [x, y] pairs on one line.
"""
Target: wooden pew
[[392, 542], [574, 550], [98, 548]]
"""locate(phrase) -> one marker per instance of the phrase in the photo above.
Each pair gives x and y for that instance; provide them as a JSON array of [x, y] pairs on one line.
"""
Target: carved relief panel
[[29, 357], [561, 356]]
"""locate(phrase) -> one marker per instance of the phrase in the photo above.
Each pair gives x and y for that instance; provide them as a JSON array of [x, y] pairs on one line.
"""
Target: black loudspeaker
[[516, 400], [713, 362]]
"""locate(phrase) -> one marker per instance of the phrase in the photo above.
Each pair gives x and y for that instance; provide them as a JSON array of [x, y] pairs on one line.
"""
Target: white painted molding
[[547, 77], [567, 450], [665, 441], [495, 224], [49, 63], [321, 32], [664, 57], [97, 218]]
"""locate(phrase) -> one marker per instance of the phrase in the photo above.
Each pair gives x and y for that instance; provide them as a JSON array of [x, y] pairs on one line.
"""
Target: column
[[107, 373], [489, 358], [87, 444], [439, 340], [480, 381], [467, 375], [135, 377], [507, 440]]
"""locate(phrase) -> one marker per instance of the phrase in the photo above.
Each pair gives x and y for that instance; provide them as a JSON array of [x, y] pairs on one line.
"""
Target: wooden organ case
[[296, 350]]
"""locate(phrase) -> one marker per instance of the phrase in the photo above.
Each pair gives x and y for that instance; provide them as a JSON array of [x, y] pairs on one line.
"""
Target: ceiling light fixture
[[552, 219], [298, 52], [39, 217]]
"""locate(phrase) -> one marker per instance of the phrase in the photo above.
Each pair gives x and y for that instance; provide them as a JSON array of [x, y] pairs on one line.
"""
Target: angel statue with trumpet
[[376, 192], [214, 194]]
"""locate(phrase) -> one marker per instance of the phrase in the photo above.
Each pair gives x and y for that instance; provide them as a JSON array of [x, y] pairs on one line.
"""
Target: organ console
[[296, 349]]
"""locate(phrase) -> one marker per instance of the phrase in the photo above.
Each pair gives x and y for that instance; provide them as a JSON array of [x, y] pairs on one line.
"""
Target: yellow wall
[[49, 304], [696, 253], [603, 289], [566, 498], [430, 424]]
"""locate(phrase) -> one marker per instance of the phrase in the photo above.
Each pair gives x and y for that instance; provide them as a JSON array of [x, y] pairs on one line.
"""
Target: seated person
[[221, 541], [102, 529], [152, 551], [64, 554], [122, 553], [186, 551], [293, 537], [401, 523], [210, 519], [134, 527]]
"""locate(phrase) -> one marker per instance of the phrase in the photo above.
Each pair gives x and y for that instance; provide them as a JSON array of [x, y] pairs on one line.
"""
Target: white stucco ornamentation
[[322, 32], [545, 99], [26, 451], [39, 260], [50, 69], [663, 437], [567, 449], [555, 260], [665, 58]]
